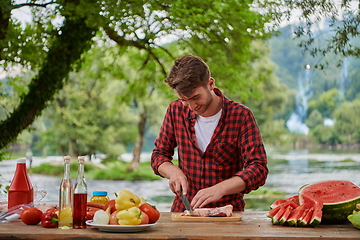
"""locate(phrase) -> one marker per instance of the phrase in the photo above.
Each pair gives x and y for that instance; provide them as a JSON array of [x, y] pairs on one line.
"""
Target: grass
[[111, 170], [119, 171], [264, 192], [262, 198]]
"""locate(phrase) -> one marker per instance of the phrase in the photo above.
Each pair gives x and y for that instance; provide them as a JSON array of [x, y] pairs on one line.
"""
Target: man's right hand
[[177, 179]]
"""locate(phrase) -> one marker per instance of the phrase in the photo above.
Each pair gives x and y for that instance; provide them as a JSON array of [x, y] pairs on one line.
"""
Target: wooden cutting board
[[176, 217]]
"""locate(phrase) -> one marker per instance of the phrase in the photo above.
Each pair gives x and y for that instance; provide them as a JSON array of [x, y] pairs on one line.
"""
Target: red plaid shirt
[[235, 149]]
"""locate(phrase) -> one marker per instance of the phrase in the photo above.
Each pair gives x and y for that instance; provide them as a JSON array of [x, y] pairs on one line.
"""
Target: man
[[221, 155]]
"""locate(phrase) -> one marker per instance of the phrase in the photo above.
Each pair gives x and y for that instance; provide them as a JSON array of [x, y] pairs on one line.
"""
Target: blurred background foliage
[[110, 98]]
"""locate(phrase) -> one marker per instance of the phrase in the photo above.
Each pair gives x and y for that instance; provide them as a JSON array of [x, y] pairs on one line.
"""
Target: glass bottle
[[66, 198], [80, 197], [21, 190]]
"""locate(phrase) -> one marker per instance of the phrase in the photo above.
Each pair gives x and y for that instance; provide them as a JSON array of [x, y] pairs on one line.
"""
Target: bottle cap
[[100, 193], [67, 159], [81, 159], [21, 160]]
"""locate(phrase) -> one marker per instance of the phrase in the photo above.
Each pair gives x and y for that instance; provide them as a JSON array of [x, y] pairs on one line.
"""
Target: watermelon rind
[[315, 221], [334, 212], [338, 213]]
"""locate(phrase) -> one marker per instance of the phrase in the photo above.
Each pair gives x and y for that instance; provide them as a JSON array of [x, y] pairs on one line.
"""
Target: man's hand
[[177, 179], [206, 196], [214, 193]]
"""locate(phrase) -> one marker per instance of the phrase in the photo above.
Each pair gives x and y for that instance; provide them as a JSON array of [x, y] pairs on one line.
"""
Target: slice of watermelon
[[277, 203], [278, 215], [338, 197], [294, 199], [296, 214], [317, 206], [286, 214], [300, 219], [317, 215], [309, 216], [274, 211], [305, 218]]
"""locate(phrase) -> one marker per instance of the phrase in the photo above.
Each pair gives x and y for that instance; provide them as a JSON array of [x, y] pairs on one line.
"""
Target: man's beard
[[204, 107]]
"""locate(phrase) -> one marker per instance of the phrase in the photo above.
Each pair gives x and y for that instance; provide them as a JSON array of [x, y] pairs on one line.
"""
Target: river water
[[156, 192], [287, 173]]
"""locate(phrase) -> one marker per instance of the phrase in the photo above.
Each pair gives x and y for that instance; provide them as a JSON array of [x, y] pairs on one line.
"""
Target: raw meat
[[225, 211]]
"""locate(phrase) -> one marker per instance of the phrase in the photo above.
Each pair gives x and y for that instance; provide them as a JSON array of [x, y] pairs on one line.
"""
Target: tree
[[326, 104], [315, 118], [325, 135], [140, 24], [85, 116], [347, 124], [147, 100], [340, 18], [65, 49], [273, 95], [353, 92]]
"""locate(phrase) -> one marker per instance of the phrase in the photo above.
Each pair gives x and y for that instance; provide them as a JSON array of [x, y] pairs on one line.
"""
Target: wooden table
[[254, 225]]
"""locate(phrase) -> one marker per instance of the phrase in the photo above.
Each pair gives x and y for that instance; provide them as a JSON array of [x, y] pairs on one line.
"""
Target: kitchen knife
[[186, 202]]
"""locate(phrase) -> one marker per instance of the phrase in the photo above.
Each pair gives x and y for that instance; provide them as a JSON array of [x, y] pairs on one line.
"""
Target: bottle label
[[20, 197]]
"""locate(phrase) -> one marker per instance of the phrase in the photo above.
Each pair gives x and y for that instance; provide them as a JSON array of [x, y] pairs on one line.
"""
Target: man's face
[[199, 100]]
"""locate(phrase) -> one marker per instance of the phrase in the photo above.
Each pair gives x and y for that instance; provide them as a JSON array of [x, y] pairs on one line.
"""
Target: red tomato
[[144, 218], [90, 215], [52, 210], [151, 211], [31, 216], [112, 204]]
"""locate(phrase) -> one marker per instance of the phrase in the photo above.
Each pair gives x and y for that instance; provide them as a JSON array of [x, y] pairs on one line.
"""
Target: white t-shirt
[[204, 129]]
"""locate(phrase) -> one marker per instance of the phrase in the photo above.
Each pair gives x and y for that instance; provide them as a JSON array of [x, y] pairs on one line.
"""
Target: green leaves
[[339, 19], [110, 81], [347, 124]]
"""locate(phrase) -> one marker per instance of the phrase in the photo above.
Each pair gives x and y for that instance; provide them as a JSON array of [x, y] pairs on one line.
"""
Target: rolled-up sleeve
[[164, 145], [253, 153]]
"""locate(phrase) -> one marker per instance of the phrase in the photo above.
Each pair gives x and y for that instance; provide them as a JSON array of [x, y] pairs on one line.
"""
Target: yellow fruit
[[65, 217]]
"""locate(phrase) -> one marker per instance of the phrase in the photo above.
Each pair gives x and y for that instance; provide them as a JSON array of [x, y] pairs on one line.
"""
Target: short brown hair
[[188, 72]]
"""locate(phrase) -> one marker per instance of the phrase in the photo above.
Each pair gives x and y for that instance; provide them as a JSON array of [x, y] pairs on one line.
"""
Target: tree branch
[[112, 34], [20, 5]]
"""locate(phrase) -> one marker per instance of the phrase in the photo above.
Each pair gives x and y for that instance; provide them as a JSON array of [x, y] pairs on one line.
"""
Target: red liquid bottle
[[80, 197], [21, 190]]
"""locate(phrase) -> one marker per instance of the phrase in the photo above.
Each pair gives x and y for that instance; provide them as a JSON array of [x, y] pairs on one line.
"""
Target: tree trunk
[[72, 151], [139, 142], [4, 24], [65, 50]]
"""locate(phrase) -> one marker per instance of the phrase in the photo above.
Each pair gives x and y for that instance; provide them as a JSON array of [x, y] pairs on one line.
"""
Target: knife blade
[[186, 202]]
